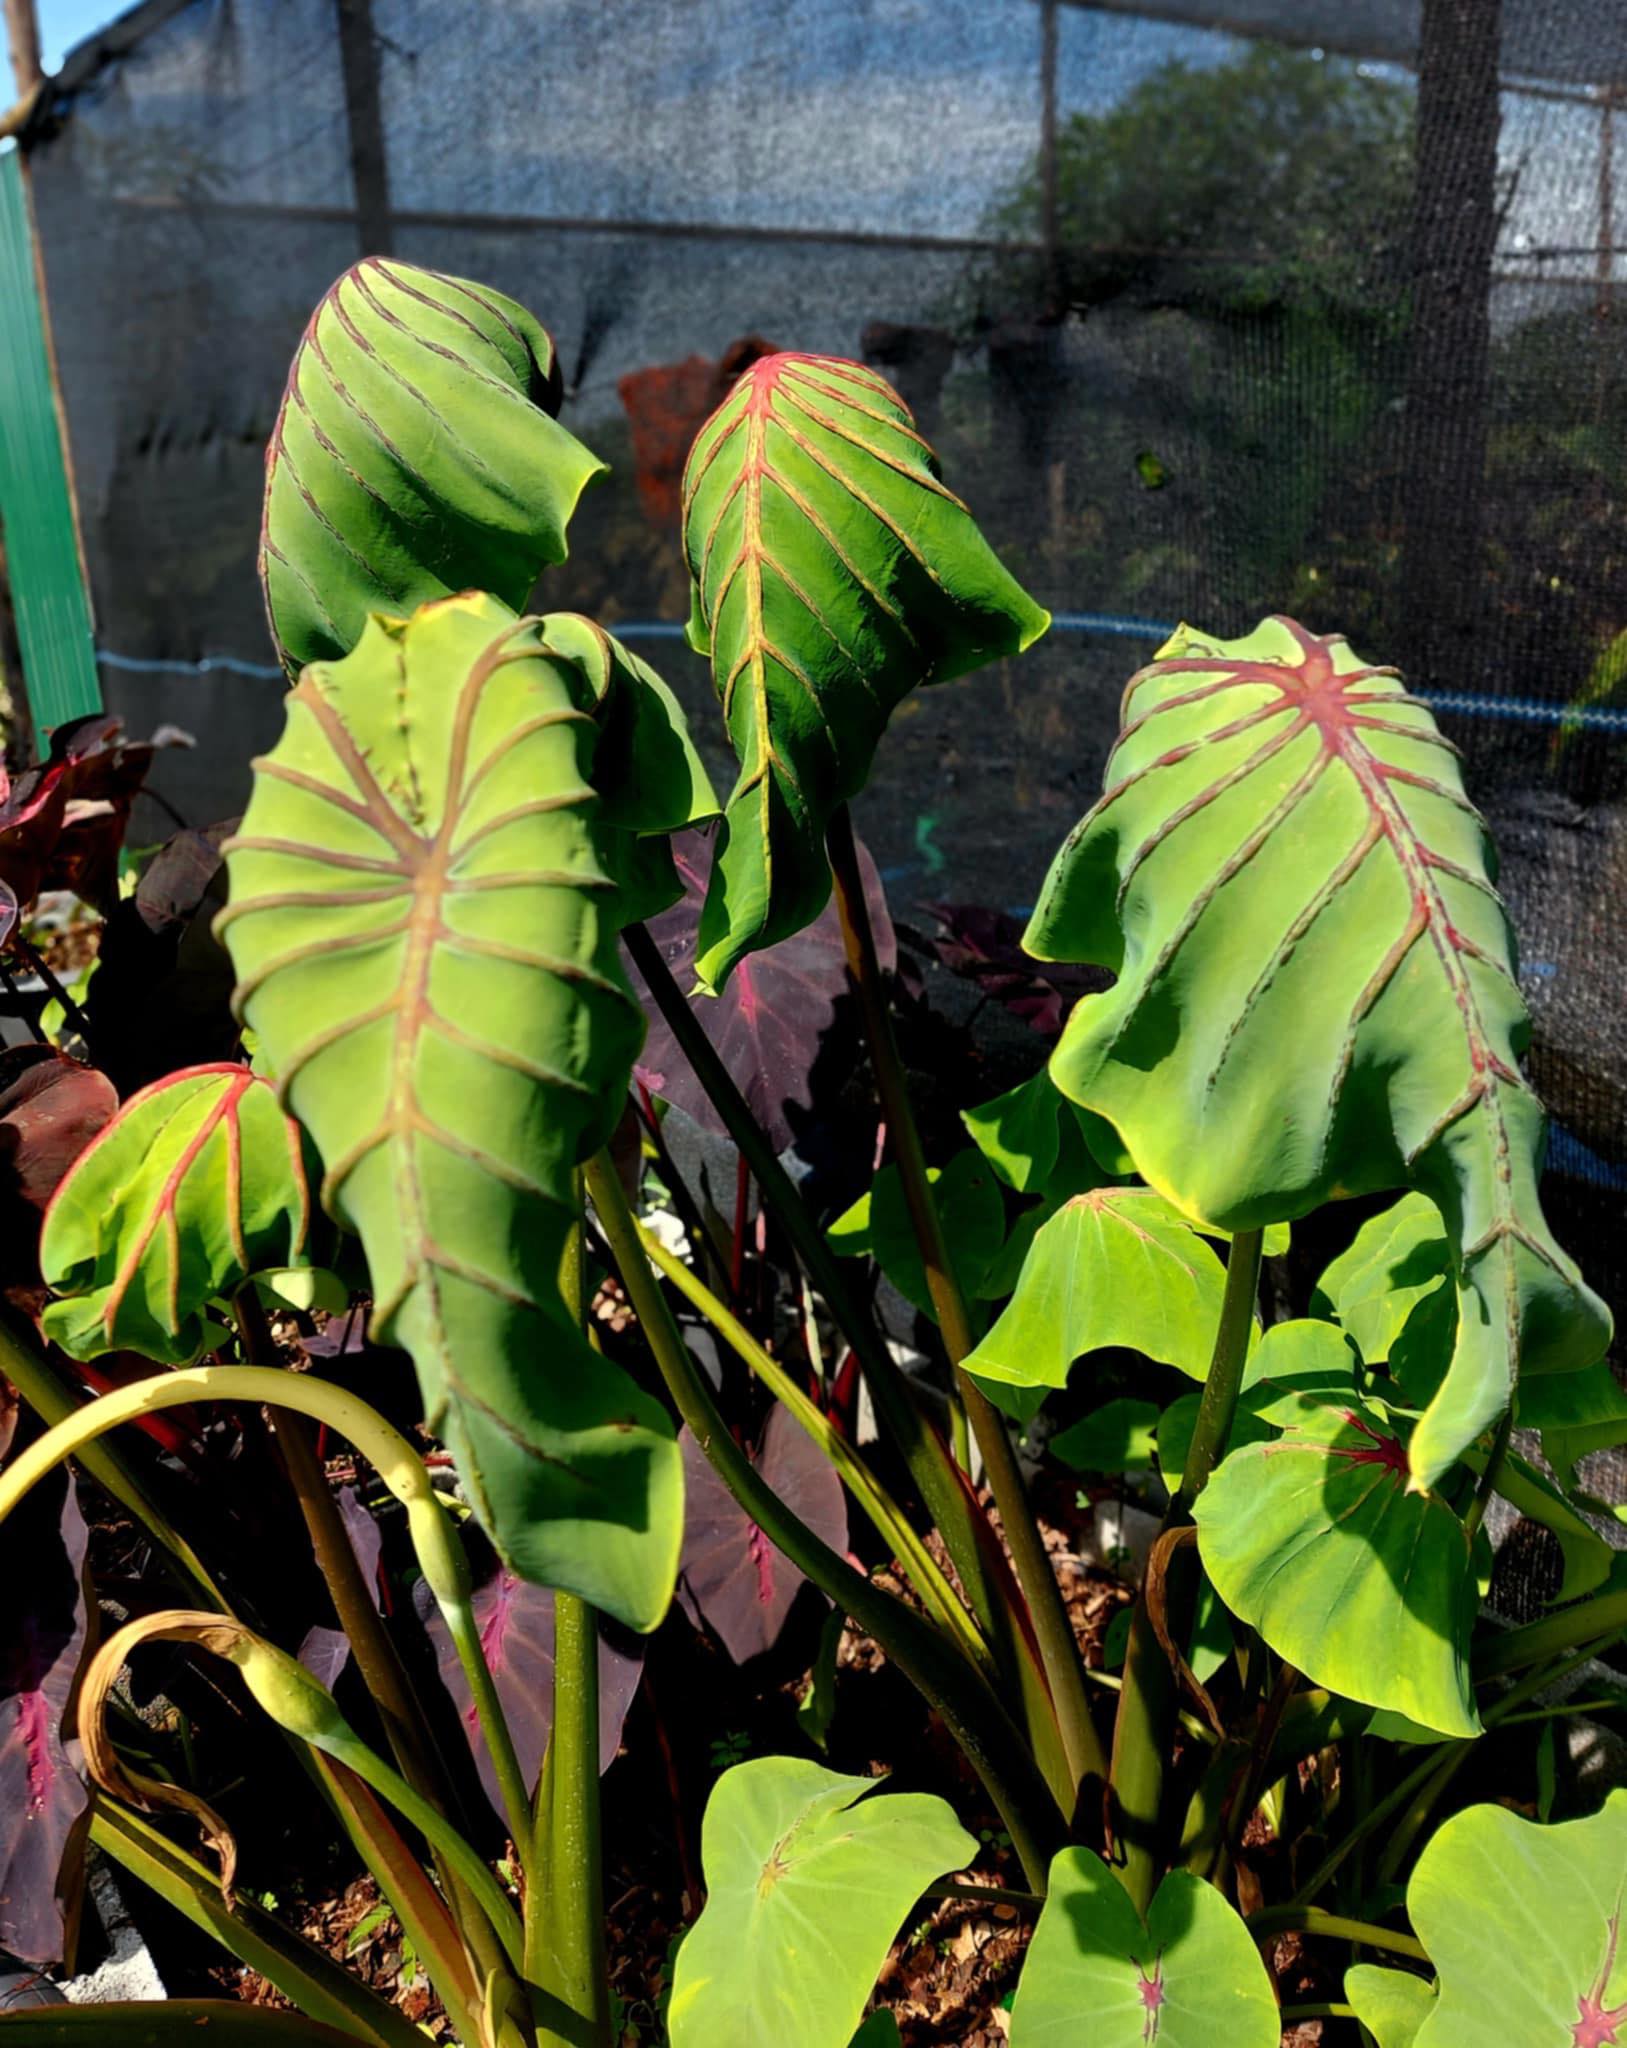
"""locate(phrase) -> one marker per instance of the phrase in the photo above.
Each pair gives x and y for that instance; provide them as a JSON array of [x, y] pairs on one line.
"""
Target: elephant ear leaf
[[1523, 1923], [420, 926], [415, 454], [808, 1875], [1317, 1540], [1284, 857], [832, 571], [1188, 1976], [1391, 2004], [196, 1183]]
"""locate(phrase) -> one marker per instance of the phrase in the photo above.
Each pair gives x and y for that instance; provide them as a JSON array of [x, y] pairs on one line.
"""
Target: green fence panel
[[36, 510]]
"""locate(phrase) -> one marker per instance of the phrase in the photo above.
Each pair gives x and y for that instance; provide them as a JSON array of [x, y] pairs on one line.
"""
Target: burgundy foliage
[[985, 946], [62, 823], [517, 1634], [730, 1576], [776, 1017], [44, 1806]]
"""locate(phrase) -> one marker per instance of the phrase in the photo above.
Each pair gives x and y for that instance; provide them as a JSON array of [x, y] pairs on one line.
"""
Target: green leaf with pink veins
[[1315, 990]]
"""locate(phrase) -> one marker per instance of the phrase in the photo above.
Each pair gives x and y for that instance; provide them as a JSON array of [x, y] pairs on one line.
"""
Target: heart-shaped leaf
[[831, 572], [969, 1208], [1025, 1135], [415, 454], [1319, 1541], [1188, 1976], [1524, 1924], [1284, 857], [778, 1017], [1395, 1262], [198, 1182], [418, 921], [1115, 1266], [730, 1575], [516, 1622], [43, 1800], [807, 1880], [1391, 2004]]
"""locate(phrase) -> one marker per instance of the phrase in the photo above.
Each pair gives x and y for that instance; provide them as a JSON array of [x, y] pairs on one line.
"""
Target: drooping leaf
[[831, 572], [417, 921], [1391, 2004], [807, 1881], [730, 1575], [1284, 858], [969, 1208], [1396, 1261], [416, 454], [1523, 1925], [1116, 1266], [320, 1987], [1188, 1976], [43, 1799], [778, 1020], [516, 1621], [1318, 1540], [197, 1181], [1117, 1437]]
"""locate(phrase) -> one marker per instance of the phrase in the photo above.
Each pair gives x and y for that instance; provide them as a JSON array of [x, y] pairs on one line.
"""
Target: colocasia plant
[[452, 909]]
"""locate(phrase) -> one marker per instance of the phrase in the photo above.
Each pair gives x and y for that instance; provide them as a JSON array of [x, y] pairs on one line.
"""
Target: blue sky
[[66, 22]]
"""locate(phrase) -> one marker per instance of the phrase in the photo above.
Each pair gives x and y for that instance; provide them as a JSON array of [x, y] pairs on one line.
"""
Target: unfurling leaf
[[1315, 991], [416, 454], [807, 1881], [1116, 1266], [1188, 1976], [1523, 1924], [419, 920], [198, 1182], [831, 572], [1317, 1539], [732, 1577]]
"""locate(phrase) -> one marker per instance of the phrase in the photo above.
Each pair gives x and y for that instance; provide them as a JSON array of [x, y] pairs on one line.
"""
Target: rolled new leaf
[[197, 1182], [832, 571], [416, 454], [420, 921], [1316, 992]]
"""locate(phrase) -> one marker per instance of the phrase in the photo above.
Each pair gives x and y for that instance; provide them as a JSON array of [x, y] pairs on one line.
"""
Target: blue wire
[[1106, 625]]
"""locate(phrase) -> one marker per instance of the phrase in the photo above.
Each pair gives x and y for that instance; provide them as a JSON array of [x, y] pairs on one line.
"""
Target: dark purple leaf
[[161, 994], [517, 1634], [364, 1536], [43, 1800], [985, 946], [771, 1021], [62, 823], [326, 1651], [730, 1576]]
